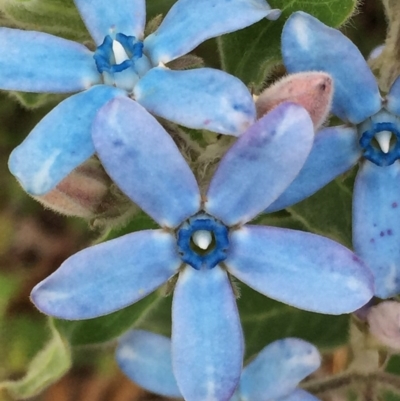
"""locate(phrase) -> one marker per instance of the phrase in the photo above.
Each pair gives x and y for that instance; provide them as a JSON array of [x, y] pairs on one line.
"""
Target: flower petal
[[376, 224], [38, 62], [107, 277], [335, 151], [299, 395], [191, 22], [60, 142], [145, 163], [301, 269], [207, 341], [146, 359], [393, 98], [278, 368], [105, 17], [310, 45], [203, 98], [261, 164]]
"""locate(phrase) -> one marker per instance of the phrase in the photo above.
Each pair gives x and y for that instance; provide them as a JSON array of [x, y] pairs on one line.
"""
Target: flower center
[[202, 241], [121, 61], [380, 138]]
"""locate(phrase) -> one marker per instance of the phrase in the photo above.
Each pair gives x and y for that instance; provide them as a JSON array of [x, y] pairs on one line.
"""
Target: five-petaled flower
[[371, 135], [203, 240], [123, 63], [273, 375]]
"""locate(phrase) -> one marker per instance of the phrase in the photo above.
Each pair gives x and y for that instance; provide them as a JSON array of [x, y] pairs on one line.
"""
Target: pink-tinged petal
[[261, 164], [207, 343]]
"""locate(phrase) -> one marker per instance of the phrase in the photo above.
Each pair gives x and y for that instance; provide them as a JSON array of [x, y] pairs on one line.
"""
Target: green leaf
[[251, 53], [159, 319], [8, 287], [328, 212], [51, 363], [57, 17], [105, 328], [35, 100], [265, 320], [140, 221]]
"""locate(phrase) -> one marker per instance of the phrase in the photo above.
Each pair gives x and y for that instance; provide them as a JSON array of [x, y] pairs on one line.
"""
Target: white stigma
[[202, 238], [119, 52], [383, 139]]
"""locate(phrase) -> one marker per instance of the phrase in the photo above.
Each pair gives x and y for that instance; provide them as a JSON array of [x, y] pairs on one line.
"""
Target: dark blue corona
[[372, 152], [104, 55], [196, 257]]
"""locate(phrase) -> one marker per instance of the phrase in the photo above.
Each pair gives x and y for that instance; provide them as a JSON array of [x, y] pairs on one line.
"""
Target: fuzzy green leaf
[[51, 363], [58, 17], [328, 212], [105, 328], [251, 53], [265, 320]]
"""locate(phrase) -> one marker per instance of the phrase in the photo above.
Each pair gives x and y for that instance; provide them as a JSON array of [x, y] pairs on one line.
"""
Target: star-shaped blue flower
[[123, 63], [371, 135], [272, 376], [203, 240]]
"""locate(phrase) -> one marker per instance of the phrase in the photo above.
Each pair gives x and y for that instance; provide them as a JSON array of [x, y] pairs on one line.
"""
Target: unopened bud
[[384, 323], [81, 193], [312, 90]]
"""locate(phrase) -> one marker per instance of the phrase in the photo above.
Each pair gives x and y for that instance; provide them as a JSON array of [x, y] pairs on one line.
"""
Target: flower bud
[[384, 323], [312, 90], [81, 193]]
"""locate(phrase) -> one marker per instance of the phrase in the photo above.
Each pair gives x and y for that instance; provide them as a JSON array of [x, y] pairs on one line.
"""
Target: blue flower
[[272, 376], [203, 240], [371, 136], [123, 63]]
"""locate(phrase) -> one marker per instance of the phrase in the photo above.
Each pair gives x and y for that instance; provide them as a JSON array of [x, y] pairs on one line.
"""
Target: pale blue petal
[[309, 45], [107, 277], [300, 269], [299, 395], [278, 369], [38, 62], [376, 224], [335, 151], [203, 98], [105, 17], [144, 161], [60, 142], [393, 98], [146, 359], [191, 22], [261, 164], [207, 343]]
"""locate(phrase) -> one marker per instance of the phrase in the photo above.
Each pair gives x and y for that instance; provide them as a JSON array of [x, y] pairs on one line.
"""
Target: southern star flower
[[272, 376], [122, 64], [371, 135], [203, 240]]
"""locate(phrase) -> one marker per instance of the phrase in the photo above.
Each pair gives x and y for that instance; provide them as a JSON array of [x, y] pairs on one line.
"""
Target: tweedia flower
[[123, 63], [203, 240], [371, 135]]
